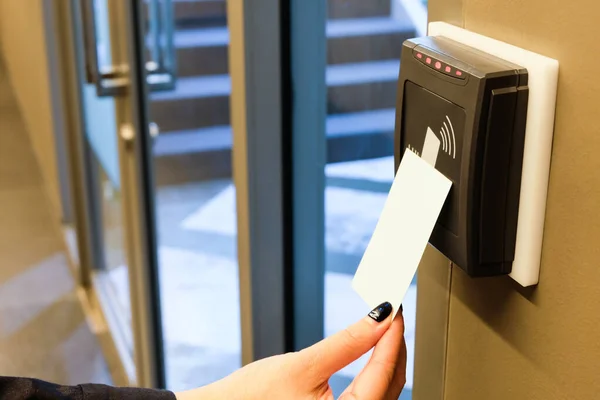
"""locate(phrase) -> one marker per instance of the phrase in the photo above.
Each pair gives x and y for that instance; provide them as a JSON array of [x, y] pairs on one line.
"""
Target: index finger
[[335, 352], [385, 373]]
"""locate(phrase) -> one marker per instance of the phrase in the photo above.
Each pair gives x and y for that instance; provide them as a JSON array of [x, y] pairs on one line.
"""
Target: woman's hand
[[305, 374]]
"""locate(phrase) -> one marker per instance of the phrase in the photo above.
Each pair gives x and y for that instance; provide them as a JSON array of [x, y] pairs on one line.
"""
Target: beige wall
[[505, 342], [23, 48]]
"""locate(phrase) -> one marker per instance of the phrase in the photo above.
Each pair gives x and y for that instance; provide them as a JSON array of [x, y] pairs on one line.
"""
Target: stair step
[[358, 8], [202, 37], [367, 26], [361, 122], [193, 141], [204, 51], [361, 135], [362, 86], [196, 87], [351, 27], [203, 101], [196, 102], [203, 154], [196, 13], [367, 39], [336, 75], [220, 137], [364, 72]]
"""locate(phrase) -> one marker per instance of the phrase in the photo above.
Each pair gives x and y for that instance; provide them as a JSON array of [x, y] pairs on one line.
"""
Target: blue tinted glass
[[364, 40]]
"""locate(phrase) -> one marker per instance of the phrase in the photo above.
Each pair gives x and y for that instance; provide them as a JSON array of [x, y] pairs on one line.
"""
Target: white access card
[[410, 212], [431, 147]]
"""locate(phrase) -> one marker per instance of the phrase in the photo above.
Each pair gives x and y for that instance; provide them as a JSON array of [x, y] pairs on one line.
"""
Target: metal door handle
[[161, 69], [109, 80], [112, 80], [154, 130]]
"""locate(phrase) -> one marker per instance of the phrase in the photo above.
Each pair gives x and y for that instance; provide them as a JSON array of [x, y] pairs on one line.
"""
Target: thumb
[[335, 352]]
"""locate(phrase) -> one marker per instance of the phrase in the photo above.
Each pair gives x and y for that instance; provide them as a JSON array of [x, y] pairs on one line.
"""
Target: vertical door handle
[[154, 131], [161, 70], [110, 80]]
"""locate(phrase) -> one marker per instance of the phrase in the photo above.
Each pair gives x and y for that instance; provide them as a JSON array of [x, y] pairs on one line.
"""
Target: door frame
[[64, 31], [137, 187], [278, 155], [277, 59], [307, 22], [264, 260], [147, 367], [259, 171]]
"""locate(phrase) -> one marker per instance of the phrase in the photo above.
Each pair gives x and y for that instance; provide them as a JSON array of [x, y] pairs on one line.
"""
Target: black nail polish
[[381, 312], [401, 308]]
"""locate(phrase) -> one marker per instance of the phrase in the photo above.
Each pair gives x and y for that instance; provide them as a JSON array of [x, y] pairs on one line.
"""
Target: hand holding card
[[402, 232]]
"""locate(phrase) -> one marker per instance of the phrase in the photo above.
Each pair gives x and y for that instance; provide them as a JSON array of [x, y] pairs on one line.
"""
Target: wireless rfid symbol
[[448, 138]]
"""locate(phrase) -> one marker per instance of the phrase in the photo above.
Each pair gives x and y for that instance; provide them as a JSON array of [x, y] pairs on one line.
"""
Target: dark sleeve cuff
[[103, 392]]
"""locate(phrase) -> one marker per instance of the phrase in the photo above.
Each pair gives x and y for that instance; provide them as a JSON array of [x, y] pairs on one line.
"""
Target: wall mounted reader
[[488, 108], [476, 106]]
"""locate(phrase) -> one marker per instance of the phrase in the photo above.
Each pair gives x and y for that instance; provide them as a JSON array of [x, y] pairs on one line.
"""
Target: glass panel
[[102, 33], [99, 113], [160, 52], [101, 131], [111, 278], [195, 201], [363, 45], [110, 275]]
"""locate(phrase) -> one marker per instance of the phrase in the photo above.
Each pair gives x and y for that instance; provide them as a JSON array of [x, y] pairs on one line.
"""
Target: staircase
[[363, 48]]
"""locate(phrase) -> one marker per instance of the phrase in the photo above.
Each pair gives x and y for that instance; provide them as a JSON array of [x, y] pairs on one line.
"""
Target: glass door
[[195, 200], [344, 116], [109, 269], [122, 270], [189, 297], [219, 211]]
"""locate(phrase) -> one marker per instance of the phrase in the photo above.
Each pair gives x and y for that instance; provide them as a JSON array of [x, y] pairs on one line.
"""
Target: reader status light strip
[[442, 67]]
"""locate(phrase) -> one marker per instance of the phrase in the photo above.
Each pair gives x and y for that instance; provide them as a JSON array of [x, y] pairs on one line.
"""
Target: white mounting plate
[[543, 80]]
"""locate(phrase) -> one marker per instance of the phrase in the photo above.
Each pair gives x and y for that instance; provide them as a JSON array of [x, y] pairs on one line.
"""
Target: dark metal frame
[[144, 179], [285, 106], [284, 47], [307, 48], [264, 176], [84, 177]]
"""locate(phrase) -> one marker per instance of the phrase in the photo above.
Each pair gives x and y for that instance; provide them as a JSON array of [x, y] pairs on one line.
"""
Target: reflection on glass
[[195, 201], [102, 33], [111, 275], [364, 39]]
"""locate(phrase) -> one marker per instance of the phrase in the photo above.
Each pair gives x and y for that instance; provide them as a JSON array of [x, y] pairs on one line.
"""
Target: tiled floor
[[43, 330], [198, 269]]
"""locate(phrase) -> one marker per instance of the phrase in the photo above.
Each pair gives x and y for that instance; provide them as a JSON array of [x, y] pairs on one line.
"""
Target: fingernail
[[381, 312], [401, 308]]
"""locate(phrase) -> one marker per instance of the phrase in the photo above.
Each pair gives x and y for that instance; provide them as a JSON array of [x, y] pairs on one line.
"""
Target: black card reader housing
[[476, 104]]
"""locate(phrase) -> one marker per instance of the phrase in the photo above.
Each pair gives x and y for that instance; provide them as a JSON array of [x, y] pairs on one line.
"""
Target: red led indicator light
[[438, 64], [458, 73], [419, 55], [428, 60], [448, 69]]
